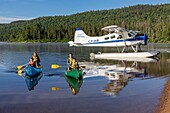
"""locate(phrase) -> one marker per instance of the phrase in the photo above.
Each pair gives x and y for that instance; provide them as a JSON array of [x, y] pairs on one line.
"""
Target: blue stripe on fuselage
[[139, 38]]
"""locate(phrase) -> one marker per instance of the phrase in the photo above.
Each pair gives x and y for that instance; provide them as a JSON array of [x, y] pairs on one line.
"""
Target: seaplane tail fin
[[145, 39], [80, 36]]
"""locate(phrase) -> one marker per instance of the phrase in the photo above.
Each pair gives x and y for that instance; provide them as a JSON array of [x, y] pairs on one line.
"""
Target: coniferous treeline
[[154, 20]]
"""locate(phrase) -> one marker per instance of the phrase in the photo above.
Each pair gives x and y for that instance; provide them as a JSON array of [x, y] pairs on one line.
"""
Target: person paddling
[[74, 64], [31, 62], [36, 57], [36, 60], [69, 60]]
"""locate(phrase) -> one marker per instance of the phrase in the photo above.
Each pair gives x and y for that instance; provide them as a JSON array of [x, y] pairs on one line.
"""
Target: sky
[[12, 10]]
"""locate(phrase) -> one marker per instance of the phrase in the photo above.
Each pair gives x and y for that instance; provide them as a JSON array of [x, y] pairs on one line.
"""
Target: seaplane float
[[117, 37]]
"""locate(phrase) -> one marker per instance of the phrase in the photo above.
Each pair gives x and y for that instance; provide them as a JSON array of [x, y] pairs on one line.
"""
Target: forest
[[154, 20]]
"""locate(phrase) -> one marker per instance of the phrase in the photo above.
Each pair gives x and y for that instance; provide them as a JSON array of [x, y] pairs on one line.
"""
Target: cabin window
[[120, 37], [112, 36], [106, 38]]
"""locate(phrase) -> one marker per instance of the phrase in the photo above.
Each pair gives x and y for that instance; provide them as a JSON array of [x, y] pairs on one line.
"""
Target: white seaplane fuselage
[[117, 37]]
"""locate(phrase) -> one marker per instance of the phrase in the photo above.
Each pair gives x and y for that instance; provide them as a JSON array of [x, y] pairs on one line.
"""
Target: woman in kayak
[[36, 57], [36, 60]]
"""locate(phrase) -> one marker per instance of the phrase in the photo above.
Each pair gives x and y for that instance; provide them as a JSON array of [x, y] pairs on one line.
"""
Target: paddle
[[82, 67], [20, 74], [55, 66], [21, 71], [20, 67]]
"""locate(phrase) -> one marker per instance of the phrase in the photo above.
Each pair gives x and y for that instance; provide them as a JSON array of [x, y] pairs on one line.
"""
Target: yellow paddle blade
[[55, 88], [54, 66], [19, 67], [19, 72]]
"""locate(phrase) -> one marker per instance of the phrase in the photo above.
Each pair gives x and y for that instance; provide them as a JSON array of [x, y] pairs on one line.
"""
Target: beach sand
[[164, 105]]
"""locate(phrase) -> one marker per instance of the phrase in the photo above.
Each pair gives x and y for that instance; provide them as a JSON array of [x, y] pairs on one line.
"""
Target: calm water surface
[[134, 87]]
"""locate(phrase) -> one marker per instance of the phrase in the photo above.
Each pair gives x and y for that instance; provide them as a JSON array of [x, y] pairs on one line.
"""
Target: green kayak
[[76, 74]]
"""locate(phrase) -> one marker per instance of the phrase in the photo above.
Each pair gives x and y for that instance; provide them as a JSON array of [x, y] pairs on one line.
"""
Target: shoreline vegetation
[[154, 20]]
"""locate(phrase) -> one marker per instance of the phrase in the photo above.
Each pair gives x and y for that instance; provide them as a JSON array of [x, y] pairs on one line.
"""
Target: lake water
[[135, 86]]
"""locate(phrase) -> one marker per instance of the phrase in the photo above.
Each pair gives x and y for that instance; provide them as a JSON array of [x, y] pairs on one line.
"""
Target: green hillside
[[154, 20]]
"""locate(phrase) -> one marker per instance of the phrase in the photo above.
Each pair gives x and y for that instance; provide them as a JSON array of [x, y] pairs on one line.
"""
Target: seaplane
[[117, 37]]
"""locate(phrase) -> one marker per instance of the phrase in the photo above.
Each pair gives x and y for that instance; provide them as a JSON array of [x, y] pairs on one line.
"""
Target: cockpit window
[[140, 35], [129, 35]]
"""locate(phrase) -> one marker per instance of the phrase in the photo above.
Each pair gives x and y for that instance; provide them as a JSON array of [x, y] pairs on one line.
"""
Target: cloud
[[11, 19]]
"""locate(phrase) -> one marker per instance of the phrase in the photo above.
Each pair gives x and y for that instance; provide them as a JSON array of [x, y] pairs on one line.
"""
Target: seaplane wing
[[113, 28], [116, 37]]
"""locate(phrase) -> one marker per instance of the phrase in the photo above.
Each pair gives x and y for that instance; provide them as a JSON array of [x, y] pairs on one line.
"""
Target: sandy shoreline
[[164, 105]]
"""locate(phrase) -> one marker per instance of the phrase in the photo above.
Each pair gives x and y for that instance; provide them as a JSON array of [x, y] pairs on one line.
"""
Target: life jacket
[[35, 58], [70, 61], [74, 65]]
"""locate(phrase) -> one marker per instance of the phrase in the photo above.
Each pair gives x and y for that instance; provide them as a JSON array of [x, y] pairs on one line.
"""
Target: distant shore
[[164, 105]]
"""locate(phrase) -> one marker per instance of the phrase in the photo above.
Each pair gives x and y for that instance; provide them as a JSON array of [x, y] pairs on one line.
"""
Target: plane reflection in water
[[120, 76], [74, 84], [119, 73], [31, 82]]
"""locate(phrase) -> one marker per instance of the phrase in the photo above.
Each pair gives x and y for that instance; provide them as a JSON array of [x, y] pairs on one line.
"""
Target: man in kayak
[[74, 64], [69, 60]]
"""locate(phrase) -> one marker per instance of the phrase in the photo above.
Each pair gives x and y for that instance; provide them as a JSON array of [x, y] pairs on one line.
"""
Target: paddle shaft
[[19, 67]]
